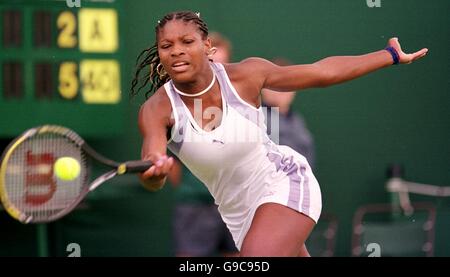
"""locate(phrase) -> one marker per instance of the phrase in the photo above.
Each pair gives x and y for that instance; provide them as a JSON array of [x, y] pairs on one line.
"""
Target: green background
[[397, 115]]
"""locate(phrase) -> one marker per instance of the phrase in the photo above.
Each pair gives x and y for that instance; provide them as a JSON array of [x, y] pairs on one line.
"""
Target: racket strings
[[30, 182]]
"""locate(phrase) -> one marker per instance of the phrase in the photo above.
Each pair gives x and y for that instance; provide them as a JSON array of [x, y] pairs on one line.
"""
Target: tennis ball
[[67, 168]]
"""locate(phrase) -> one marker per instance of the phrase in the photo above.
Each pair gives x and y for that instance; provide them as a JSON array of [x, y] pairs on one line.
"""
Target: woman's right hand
[[153, 178]]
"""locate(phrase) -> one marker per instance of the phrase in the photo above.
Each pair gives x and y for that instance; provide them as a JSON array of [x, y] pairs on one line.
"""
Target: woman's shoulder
[[248, 66], [248, 62], [157, 105], [155, 113], [248, 77]]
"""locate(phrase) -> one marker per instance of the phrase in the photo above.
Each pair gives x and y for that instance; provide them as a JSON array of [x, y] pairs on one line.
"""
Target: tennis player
[[209, 115]]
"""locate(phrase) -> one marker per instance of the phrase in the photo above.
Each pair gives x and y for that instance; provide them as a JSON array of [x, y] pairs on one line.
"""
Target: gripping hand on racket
[[403, 57], [153, 179]]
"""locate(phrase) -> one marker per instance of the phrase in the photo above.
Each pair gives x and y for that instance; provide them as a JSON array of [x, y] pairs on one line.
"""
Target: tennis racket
[[29, 189]]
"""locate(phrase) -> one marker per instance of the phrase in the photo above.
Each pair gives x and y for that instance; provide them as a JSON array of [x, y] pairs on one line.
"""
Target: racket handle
[[137, 166]]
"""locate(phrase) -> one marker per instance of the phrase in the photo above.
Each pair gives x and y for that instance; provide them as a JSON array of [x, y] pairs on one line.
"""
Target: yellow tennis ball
[[67, 168]]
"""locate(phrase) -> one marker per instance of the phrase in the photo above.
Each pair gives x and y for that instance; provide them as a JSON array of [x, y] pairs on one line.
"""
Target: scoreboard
[[60, 63]]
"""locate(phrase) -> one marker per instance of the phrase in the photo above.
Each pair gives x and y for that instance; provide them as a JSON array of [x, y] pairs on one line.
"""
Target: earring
[[160, 70]]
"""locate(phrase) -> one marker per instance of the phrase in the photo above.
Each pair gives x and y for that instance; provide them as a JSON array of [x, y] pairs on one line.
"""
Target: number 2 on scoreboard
[[67, 25]]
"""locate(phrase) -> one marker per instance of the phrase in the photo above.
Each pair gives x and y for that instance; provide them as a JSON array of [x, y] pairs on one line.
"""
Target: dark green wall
[[400, 114]]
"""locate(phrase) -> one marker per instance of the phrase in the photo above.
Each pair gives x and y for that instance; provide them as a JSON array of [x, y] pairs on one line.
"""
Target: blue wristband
[[394, 54]]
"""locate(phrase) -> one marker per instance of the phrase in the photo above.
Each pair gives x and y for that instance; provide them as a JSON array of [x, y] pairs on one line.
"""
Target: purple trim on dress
[[287, 165], [306, 202]]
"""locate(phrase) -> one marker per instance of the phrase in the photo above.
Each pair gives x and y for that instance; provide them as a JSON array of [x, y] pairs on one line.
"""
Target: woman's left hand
[[403, 57]]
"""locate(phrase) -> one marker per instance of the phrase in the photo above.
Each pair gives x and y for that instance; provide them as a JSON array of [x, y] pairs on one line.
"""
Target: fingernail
[[159, 163]]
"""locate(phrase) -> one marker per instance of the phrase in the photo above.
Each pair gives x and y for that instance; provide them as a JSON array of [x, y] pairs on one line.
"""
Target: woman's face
[[182, 50]]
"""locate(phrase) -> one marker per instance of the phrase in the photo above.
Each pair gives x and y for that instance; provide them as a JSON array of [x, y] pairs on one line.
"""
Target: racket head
[[29, 189]]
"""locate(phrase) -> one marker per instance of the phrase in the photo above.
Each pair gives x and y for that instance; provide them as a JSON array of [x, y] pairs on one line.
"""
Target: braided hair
[[150, 57]]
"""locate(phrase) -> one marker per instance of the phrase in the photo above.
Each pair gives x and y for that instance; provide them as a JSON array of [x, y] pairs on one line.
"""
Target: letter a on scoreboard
[[98, 30]]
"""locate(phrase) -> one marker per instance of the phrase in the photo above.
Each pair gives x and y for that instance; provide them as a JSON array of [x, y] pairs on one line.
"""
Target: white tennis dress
[[239, 164]]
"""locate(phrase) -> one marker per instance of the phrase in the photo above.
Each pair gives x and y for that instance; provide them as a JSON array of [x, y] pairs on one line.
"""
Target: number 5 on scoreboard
[[68, 80]]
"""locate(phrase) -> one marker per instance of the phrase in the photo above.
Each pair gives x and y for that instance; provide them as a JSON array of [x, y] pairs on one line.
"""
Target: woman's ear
[[211, 52], [207, 43]]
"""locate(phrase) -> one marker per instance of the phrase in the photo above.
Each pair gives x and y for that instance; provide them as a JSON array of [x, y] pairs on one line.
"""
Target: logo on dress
[[218, 141]]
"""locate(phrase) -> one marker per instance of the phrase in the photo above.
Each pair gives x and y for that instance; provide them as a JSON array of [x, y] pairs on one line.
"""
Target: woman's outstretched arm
[[328, 71], [342, 69]]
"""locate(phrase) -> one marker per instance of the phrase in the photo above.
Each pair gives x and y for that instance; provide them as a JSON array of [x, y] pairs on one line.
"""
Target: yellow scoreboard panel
[[61, 64]]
